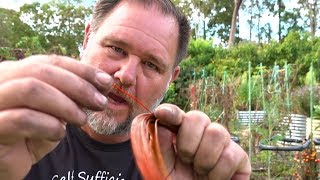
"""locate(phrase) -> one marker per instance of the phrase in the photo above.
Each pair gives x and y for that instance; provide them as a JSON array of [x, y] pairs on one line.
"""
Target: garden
[[267, 96]]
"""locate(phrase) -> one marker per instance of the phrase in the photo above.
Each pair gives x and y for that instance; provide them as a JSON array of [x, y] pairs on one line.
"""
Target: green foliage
[[310, 78], [220, 23], [242, 90], [201, 53], [171, 94], [12, 28], [31, 43], [59, 26], [316, 112], [298, 50], [246, 52], [6, 53]]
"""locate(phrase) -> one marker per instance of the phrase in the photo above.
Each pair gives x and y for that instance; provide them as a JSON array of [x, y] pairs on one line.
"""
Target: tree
[[204, 9], [277, 8], [267, 32], [12, 28], [213, 17], [59, 24], [185, 7], [311, 6], [281, 8], [292, 20], [220, 19], [237, 4], [201, 10]]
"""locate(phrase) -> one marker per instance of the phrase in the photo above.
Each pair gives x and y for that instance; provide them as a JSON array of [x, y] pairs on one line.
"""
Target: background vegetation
[[269, 71]]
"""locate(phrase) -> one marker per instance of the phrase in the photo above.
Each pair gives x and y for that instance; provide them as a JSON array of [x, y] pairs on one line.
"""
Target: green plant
[[171, 94], [301, 99], [316, 111], [5, 53], [242, 91]]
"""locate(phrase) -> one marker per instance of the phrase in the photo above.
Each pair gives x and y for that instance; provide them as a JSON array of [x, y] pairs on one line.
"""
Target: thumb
[[153, 157]]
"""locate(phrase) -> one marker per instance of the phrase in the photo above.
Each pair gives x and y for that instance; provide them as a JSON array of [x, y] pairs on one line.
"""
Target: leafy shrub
[[301, 99]]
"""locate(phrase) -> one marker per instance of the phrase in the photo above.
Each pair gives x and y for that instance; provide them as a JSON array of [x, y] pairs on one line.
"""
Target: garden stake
[[287, 88], [311, 99], [269, 123], [313, 148], [249, 100]]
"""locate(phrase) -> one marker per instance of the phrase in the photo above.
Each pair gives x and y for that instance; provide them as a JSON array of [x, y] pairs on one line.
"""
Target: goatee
[[104, 123]]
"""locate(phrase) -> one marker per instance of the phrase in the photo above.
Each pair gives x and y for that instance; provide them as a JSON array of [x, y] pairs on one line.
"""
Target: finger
[[190, 134], [21, 123], [95, 76], [166, 139], [9, 161], [232, 164], [191, 128], [34, 94], [78, 89], [85, 71], [168, 115], [214, 141]]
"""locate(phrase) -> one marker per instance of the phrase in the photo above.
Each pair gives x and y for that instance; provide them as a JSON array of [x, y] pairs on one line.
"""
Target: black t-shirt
[[79, 157]]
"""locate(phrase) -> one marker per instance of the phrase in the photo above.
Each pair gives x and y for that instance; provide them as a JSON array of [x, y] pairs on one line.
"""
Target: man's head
[[139, 43], [103, 7]]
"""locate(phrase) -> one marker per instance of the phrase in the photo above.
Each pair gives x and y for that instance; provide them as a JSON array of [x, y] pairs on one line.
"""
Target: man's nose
[[128, 71]]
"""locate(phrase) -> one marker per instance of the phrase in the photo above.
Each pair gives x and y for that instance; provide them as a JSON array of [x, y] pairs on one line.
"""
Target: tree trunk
[[251, 21], [313, 18], [237, 4], [204, 28], [279, 16]]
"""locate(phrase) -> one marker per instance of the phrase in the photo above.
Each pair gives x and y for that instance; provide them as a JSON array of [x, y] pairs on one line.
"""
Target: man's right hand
[[38, 97]]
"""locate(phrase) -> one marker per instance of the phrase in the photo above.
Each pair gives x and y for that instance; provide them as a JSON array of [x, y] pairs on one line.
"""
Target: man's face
[[138, 48]]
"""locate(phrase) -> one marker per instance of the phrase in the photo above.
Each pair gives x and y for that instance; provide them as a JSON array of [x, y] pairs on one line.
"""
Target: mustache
[[131, 97], [123, 92]]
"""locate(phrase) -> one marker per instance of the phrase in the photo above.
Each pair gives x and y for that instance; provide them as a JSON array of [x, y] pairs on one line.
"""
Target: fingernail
[[166, 108], [103, 78], [100, 99]]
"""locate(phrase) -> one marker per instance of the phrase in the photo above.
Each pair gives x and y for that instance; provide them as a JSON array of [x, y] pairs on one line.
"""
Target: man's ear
[[86, 36], [175, 73]]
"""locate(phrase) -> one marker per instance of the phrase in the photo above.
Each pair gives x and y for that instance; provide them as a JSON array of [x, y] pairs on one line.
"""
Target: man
[[137, 44]]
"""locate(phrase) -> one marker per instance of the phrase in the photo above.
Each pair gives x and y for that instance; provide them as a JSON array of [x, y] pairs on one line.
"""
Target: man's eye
[[118, 50], [151, 65]]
